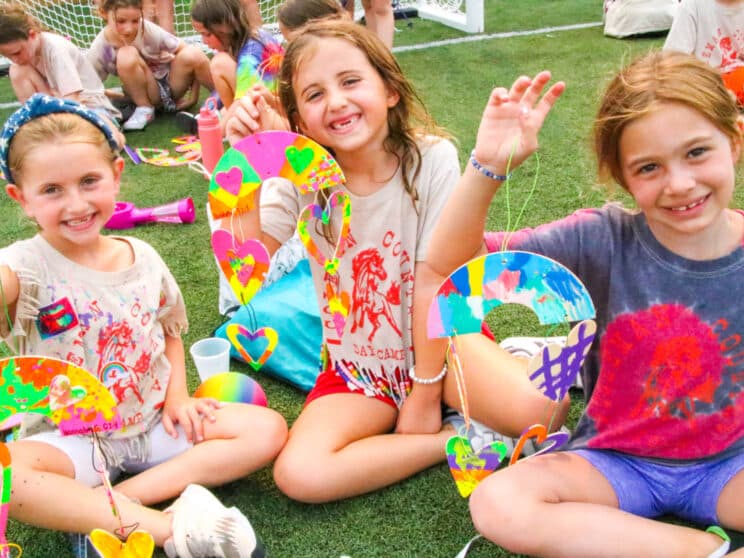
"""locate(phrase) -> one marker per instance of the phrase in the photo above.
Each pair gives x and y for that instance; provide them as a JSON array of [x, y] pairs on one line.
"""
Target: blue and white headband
[[41, 105]]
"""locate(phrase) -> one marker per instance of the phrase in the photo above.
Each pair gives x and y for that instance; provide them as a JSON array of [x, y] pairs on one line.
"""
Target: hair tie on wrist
[[426, 381], [484, 171]]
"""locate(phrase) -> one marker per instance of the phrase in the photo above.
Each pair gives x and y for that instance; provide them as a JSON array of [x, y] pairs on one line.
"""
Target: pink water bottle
[[210, 134]]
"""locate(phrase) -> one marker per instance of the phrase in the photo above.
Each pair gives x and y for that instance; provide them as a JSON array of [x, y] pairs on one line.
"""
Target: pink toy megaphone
[[127, 216]]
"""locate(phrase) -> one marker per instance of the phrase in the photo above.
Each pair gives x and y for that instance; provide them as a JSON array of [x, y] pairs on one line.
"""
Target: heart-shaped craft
[[550, 442], [554, 369], [63, 394], [232, 188], [139, 544], [243, 338], [299, 159], [244, 265], [469, 468], [314, 211], [230, 180], [338, 305]]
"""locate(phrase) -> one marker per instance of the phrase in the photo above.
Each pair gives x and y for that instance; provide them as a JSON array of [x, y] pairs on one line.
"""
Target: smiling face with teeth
[[342, 101], [680, 169], [69, 188]]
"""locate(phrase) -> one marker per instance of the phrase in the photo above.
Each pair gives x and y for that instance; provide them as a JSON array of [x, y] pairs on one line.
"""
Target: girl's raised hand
[[507, 134]]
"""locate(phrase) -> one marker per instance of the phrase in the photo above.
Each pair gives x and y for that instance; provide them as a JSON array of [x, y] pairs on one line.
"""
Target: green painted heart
[[299, 159]]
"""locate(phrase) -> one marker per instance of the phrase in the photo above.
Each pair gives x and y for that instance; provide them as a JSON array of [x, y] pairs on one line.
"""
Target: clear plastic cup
[[211, 356]]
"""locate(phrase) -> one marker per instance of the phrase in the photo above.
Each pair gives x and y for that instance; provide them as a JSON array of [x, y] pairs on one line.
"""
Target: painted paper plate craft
[[69, 396], [556, 296], [272, 154]]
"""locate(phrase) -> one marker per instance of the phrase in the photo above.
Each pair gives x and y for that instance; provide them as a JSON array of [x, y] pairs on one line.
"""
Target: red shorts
[[331, 381]]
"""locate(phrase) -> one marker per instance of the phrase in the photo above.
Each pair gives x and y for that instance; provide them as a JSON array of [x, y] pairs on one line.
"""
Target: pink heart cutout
[[230, 180], [244, 265]]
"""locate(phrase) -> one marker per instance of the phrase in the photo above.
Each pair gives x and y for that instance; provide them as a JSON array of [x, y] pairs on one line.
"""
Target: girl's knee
[[127, 58], [497, 511], [300, 478]]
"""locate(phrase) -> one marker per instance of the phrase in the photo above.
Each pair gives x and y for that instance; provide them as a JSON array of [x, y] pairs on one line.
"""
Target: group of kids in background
[[663, 428]]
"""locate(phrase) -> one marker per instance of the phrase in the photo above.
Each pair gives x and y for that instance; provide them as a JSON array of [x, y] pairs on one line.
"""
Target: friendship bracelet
[[427, 381], [483, 170]]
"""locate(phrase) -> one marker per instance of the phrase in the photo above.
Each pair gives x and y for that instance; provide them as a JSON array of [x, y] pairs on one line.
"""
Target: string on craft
[[4, 345], [453, 361], [100, 464]]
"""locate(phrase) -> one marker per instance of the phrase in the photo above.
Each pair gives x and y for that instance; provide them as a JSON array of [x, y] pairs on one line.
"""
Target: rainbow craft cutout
[[72, 398], [314, 211], [244, 265], [273, 154], [232, 387], [550, 289]]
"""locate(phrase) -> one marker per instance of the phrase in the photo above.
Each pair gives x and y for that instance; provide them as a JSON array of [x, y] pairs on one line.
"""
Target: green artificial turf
[[423, 516]]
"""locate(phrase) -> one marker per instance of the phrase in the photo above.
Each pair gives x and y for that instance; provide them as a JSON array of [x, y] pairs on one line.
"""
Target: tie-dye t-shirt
[[665, 375], [112, 324], [258, 62]]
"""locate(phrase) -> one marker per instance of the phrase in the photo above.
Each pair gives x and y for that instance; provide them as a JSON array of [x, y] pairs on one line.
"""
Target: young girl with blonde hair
[[662, 432], [122, 311]]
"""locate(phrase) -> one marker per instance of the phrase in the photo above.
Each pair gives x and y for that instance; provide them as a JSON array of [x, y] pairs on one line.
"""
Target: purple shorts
[[651, 489]]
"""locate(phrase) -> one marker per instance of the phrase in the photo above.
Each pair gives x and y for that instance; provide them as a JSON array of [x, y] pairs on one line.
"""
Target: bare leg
[[189, 65], [340, 446], [380, 19], [136, 78], [41, 472], [26, 81], [164, 14], [253, 10], [560, 505], [244, 439], [499, 391], [223, 68]]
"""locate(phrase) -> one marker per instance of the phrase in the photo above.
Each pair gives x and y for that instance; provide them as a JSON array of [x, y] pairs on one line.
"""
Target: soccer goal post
[[79, 19]]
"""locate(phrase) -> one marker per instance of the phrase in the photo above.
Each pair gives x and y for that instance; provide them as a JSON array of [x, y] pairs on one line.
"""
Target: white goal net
[[79, 19]]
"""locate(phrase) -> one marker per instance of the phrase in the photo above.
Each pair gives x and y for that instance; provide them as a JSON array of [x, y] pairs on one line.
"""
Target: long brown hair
[[15, 23], [231, 14], [649, 81], [408, 120]]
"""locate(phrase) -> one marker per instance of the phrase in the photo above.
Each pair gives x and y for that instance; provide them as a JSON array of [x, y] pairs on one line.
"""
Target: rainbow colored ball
[[232, 387]]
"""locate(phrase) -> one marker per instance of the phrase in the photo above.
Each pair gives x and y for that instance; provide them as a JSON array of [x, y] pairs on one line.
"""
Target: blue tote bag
[[290, 307]]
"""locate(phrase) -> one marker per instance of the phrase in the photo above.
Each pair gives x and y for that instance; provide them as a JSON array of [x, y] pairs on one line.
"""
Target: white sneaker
[[481, 435], [203, 527], [140, 118]]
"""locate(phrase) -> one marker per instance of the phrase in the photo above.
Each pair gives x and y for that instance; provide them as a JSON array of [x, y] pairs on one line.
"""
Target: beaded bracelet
[[483, 170], [426, 381]]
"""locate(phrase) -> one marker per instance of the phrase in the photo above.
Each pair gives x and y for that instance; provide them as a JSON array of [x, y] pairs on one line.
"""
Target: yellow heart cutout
[[139, 544]]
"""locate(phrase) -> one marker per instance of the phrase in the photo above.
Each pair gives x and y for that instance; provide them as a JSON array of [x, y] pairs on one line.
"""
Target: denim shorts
[[651, 489]]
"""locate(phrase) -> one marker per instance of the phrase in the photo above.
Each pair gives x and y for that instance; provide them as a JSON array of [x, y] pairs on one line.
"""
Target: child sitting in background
[[47, 63], [712, 30], [156, 69], [246, 54], [64, 171], [259, 110], [662, 432]]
